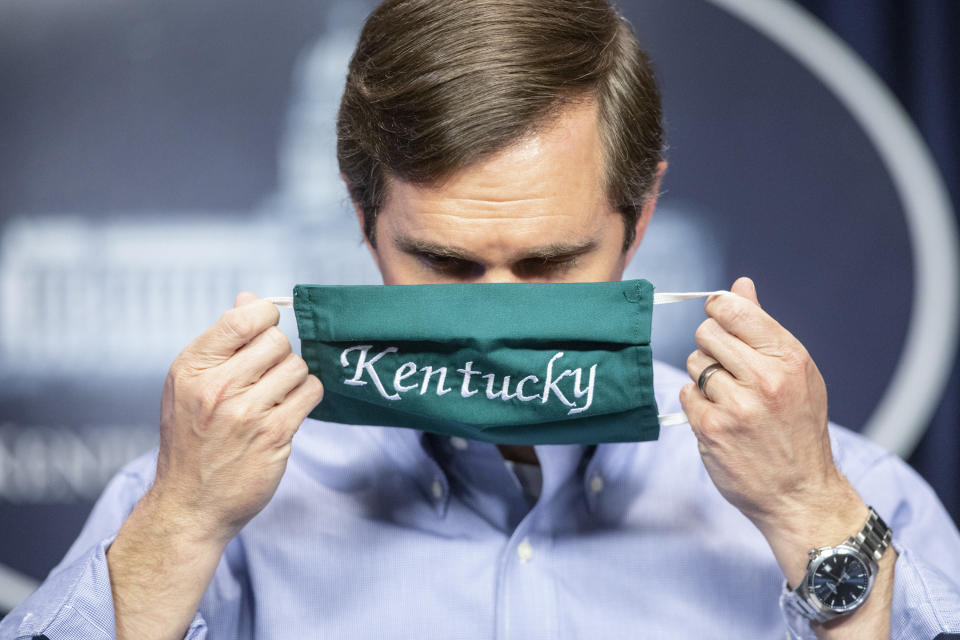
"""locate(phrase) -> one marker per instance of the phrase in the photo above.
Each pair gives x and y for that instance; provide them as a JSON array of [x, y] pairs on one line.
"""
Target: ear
[[646, 213]]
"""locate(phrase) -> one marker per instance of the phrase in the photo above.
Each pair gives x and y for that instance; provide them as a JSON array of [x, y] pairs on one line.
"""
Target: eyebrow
[[544, 253]]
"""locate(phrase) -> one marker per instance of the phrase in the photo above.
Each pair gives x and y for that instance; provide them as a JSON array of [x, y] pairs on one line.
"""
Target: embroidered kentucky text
[[567, 387]]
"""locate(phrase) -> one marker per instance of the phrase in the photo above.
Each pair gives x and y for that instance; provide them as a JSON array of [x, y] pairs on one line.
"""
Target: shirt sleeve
[[926, 592], [76, 601]]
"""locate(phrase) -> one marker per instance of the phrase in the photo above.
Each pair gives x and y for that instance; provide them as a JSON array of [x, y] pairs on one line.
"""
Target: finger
[[279, 381], [703, 415], [244, 298], [745, 288], [301, 401], [720, 384], [746, 320], [234, 329], [249, 364], [736, 357]]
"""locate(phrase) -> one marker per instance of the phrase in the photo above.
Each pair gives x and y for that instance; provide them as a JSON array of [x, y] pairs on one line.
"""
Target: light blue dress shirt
[[385, 533]]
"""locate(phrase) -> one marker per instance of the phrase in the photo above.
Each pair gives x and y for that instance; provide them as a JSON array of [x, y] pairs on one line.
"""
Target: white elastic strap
[[671, 419], [667, 298], [666, 419]]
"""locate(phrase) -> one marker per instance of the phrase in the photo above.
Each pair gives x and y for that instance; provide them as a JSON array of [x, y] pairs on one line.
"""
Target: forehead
[[539, 190]]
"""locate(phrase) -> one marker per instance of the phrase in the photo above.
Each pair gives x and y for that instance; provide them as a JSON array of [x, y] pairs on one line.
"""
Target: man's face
[[536, 211]]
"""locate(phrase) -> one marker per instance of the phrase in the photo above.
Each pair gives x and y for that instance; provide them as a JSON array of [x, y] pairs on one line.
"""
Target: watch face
[[841, 581]]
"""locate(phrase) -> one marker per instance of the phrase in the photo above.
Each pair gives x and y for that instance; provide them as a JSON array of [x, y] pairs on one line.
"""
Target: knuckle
[[315, 385], [741, 408], [772, 385], [239, 413], [712, 426], [796, 358], [276, 428], [264, 430], [212, 393], [300, 367], [812, 371], [725, 309], [277, 338], [209, 399], [274, 313], [178, 381], [718, 305], [735, 312], [178, 369], [236, 322], [702, 332], [282, 433], [685, 392]]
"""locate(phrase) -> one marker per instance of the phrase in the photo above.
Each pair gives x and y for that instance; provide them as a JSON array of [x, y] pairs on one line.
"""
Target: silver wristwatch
[[839, 579]]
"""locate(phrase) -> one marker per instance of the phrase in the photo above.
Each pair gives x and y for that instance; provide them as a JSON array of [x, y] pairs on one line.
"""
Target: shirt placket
[[527, 604]]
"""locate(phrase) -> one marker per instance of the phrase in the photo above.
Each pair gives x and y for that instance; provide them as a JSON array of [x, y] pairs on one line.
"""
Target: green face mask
[[524, 363]]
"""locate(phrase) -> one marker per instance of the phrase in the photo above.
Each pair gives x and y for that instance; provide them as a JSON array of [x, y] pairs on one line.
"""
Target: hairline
[[551, 116]]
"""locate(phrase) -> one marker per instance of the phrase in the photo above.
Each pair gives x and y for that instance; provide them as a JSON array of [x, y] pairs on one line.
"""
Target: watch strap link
[[805, 609], [874, 538]]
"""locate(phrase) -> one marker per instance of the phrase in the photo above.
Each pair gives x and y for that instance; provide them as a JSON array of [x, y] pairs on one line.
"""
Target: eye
[[449, 266], [546, 267]]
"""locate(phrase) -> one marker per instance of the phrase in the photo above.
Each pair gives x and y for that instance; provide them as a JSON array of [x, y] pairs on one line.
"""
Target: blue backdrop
[[913, 48]]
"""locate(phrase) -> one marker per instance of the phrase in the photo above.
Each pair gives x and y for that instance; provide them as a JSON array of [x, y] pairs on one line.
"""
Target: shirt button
[[437, 489], [525, 550], [458, 442], [596, 484]]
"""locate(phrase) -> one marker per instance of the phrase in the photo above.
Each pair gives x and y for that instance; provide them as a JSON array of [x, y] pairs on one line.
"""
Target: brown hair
[[437, 85]]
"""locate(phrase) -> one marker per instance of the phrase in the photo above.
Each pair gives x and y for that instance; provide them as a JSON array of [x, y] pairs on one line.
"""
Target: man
[[499, 141]]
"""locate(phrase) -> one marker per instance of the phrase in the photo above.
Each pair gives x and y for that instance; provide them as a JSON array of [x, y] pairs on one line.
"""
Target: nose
[[498, 275]]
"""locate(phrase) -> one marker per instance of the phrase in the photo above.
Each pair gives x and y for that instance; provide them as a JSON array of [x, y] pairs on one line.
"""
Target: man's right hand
[[231, 404]]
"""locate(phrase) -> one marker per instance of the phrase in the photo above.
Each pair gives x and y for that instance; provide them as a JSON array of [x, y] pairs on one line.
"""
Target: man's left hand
[[762, 430]]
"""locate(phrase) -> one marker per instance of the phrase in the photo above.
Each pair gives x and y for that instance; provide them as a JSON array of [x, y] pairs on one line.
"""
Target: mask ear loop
[[672, 419], [666, 419]]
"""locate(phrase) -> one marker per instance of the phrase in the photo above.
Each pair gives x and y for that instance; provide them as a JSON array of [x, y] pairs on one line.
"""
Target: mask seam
[[638, 431]]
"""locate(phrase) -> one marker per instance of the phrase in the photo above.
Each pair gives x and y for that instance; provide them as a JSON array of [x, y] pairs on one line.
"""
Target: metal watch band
[[874, 538]]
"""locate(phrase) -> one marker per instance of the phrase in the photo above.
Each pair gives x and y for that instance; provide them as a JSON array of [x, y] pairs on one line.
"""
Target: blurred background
[[157, 157]]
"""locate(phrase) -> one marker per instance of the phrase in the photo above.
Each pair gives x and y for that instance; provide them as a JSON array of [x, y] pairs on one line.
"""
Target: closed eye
[[549, 262], [540, 267], [450, 266]]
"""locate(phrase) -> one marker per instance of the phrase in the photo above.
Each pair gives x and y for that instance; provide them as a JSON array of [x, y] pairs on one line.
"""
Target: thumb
[[745, 288], [244, 298]]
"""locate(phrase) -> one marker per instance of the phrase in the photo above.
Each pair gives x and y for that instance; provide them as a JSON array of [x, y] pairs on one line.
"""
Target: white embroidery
[[426, 379], [364, 365], [549, 384], [405, 380], [502, 394], [467, 371], [583, 392], [406, 370], [520, 384]]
